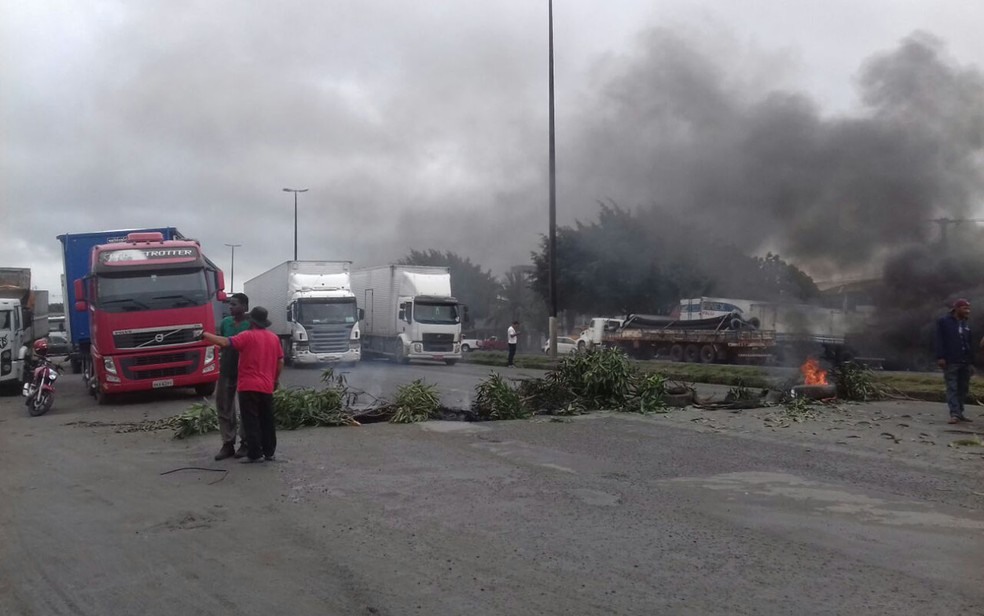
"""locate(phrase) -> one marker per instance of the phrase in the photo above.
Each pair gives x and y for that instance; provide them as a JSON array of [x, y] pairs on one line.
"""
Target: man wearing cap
[[261, 359], [955, 355]]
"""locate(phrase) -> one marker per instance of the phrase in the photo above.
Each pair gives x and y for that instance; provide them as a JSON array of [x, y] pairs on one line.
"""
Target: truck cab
[[147, 300], [324, 327], [23, 319]]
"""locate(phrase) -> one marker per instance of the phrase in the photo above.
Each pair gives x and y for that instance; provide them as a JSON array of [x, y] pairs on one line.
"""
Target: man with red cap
[[955, 355]]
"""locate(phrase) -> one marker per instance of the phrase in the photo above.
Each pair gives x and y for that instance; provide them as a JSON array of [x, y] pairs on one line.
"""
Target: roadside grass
[[918, 386]]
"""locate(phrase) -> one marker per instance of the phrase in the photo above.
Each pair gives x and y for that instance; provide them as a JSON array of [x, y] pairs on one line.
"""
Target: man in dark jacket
[[955, 355]]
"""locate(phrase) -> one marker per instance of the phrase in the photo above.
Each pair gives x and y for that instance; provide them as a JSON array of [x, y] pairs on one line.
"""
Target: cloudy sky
[[424, 124]]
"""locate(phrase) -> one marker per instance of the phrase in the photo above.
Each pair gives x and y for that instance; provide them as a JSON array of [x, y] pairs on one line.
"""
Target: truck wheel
[[707, 354], [102, 398], [692, 353], [580, 345], [205, 389], [400, 356], [465, 348], [676, 352]]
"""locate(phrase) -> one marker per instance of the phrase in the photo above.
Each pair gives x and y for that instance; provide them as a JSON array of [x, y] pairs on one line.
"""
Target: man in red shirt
[[261, 359]]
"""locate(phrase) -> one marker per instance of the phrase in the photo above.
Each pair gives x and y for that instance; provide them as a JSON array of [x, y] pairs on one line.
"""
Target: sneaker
[[269, 458], [241, 452], [953, 419], [967, 419], [227, 451]]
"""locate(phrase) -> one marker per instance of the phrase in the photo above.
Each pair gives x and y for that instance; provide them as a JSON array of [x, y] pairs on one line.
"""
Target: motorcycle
[[40, 392]]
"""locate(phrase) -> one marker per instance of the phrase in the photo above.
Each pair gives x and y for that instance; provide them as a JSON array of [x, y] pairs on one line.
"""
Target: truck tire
[[205, 389], [692, 353], [400, 356], [466, 348], [676, 352], [102, 398], [707, 354]]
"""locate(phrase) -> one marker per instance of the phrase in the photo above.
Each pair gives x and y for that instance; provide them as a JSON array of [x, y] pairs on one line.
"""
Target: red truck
[[147, 299]]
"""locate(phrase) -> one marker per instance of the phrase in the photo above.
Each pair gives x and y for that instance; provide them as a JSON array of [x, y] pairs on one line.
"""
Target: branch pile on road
[[600, 379], [597, 379]]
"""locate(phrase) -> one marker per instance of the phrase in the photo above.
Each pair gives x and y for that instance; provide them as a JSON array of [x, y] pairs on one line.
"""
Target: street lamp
[[232, 268], [295, 191], [552, 327]]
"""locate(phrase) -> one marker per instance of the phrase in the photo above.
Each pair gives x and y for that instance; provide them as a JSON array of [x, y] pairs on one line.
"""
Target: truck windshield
[[435, 314], [135, 291], [327, 311]]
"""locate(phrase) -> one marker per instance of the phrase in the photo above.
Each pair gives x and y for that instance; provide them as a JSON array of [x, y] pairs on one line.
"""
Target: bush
[[496, 399], [415, 402], [601, 377]]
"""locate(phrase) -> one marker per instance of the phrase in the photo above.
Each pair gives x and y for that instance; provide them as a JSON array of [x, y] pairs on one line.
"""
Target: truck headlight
[[418, 348], [354, 344], [301, 347], [109, 365], [209, 355]]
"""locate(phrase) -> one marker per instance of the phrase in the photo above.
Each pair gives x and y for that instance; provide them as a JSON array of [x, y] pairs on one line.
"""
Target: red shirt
[[259, 354]]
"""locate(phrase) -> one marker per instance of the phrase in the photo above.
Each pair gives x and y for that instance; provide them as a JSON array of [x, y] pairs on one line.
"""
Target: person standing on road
[[261, 360], [225, 391], [955, 355], [512, 338]]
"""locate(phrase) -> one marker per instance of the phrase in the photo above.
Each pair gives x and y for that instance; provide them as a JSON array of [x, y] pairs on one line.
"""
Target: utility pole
[[232, 268], [295, 191], [552, 327]]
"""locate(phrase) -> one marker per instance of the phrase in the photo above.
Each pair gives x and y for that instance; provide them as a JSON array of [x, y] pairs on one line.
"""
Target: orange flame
[[812, 374]]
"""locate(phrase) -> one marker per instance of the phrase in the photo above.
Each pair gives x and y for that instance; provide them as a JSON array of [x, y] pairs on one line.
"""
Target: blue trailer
[[76, 251]]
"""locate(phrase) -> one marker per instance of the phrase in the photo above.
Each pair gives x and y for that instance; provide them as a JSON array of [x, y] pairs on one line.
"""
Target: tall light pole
[[232, 268], [295, 191], [553, 198]]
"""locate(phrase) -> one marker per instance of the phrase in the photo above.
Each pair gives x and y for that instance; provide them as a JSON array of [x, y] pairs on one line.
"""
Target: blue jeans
[[957, 377]]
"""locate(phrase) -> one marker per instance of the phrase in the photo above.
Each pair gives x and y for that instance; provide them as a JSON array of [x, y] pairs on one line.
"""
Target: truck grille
[[167, 336], [160, 366], [439, 342], [328, 339]]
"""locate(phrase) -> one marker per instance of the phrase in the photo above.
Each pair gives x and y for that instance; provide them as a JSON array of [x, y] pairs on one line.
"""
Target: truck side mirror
[[290, 314], [220, 293], [403, 312], [466, 318], [362, 314], [80, 304]]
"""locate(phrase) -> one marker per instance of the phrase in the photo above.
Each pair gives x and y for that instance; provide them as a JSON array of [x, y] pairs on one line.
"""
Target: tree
[[646, 263]]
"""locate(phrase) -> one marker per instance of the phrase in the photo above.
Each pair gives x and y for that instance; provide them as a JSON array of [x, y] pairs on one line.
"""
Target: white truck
[[312, 310], [409, 313], [23, 319]]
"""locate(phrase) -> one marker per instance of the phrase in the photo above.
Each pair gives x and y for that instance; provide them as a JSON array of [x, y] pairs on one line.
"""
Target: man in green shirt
[[225, 390]]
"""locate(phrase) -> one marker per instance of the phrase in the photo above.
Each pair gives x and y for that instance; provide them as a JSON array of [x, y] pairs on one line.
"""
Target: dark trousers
[[256, 410], [225, 404], [512, 354], [957, 377]]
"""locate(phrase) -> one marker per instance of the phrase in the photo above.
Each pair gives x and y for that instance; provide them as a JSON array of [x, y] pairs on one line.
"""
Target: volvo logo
[[158, 338]]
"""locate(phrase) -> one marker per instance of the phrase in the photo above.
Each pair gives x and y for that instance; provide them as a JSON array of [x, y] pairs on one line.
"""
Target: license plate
[[163, 383]]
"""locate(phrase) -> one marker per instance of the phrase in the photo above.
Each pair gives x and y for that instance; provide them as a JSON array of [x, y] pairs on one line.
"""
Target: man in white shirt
[[512, 337]]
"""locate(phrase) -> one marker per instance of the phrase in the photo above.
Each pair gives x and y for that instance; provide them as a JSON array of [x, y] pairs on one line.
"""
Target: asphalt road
[[600, 515]]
